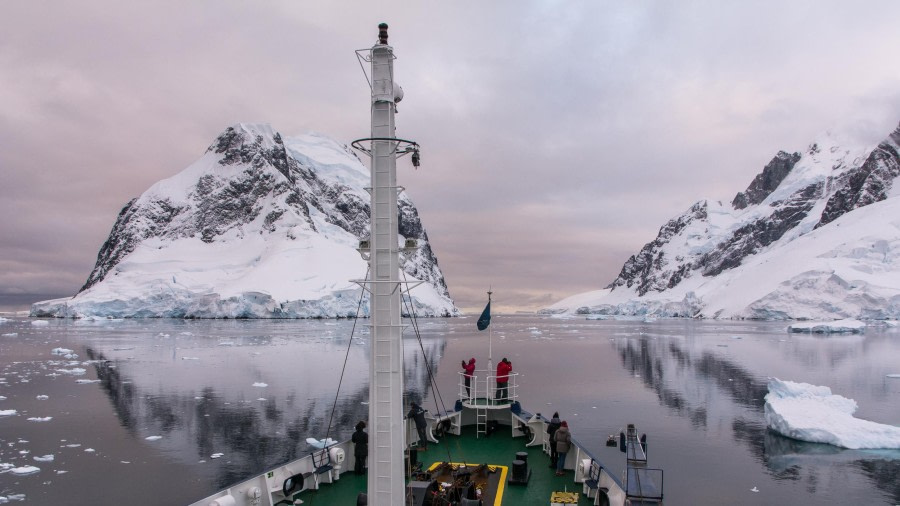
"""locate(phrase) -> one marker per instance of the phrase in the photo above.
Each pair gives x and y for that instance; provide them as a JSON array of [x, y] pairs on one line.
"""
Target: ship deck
[[497, 449]]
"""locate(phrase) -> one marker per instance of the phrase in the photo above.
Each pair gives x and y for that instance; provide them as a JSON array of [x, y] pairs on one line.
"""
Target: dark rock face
[[867, 184], [643, 269], [752, 237], [766, 181], [271, 186]]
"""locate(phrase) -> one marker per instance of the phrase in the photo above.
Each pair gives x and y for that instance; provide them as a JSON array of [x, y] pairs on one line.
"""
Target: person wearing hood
[[468, 371], [563, 440], [418, 415], [360, 440], [503, 370], [551, 430]]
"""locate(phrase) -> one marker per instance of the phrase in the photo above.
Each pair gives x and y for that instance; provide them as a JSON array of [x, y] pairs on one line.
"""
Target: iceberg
[[845, 326], [812, 413]]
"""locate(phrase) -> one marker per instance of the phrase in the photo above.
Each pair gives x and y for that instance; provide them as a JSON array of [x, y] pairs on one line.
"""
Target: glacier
[[261, 226], [814, 414]]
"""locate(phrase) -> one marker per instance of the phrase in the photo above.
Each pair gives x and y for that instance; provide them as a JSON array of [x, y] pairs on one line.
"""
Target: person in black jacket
[[551, 429], [418, 415], [361, 449]]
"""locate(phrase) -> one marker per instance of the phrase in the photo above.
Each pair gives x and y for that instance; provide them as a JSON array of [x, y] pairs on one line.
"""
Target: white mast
[[386, 484]]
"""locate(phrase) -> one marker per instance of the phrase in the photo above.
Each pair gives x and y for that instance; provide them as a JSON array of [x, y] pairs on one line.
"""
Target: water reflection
[[702, 385], [254, 434]]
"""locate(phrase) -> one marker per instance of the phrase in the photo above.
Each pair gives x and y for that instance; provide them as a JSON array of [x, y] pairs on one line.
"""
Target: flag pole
[[490, 341]]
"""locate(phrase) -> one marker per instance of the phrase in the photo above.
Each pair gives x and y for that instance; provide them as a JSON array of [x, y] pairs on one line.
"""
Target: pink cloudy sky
[[558, 136]]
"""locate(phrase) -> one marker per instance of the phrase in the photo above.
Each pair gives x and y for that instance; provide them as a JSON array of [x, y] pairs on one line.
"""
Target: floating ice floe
[[61, 351], [11, 497], [75, 371], [260, 384], [893, 375], [42, 397], [153, 438], [216, 455], [84, 381], [7, 412], [11, 334], [40, 419], [25, 470], [812, 413], [45, 458], [320, 443], [40, 323], [2, 398], [846, 326], [90, 450]]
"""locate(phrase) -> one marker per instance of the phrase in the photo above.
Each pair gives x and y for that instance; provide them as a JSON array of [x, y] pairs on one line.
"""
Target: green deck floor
[[498, 449]]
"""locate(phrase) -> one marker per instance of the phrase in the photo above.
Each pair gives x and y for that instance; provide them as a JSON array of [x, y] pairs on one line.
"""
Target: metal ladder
[[480, 412]]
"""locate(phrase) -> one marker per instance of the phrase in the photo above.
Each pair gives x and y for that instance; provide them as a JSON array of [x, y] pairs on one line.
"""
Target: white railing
[[483, 386]]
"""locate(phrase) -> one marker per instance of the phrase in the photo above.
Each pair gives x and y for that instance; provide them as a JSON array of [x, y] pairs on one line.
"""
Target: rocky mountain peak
[[768, 180]]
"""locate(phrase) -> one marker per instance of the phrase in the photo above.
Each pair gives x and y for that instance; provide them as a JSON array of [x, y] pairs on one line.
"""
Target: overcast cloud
[[558, 136]]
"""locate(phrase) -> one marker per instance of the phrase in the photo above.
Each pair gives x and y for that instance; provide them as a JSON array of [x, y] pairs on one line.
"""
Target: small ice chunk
[[190, 358], [73, 445], [40, 419], [84, 381], [153, 438], [42, 397], [11, 334], [2, 398], [45, 458], [320, 443], [888, 375], [25, 470], [40, 323], [61, 351], [7, 412], [754, 489], [260, 384], [216, 455], [125, 461], [75, 371]]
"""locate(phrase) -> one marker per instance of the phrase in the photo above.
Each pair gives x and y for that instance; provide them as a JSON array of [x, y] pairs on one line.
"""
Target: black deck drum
[[519, 470], [523, 456]]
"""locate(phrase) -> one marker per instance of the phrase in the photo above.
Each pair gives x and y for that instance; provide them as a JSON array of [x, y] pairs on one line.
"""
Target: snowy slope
[[261, 227], [815, 235]]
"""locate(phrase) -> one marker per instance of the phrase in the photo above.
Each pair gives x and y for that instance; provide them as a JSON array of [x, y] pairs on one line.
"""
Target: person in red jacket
[[503, 370], [468, 371]]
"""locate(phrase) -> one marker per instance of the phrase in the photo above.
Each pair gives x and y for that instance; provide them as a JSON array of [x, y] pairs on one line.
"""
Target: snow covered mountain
[[815, 235], [261, 226]]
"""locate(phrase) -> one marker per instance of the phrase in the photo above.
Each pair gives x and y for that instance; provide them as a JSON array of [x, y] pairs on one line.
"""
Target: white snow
[[846, 326], [812, 413]]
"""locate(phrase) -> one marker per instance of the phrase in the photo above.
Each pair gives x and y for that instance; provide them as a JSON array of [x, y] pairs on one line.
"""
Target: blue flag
[[485, 319]]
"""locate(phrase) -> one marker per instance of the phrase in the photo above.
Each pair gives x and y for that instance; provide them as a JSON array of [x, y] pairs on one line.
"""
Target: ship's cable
[[337, 392]]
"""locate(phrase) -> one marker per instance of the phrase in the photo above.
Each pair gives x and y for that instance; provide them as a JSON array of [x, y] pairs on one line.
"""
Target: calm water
[[255, 390]]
